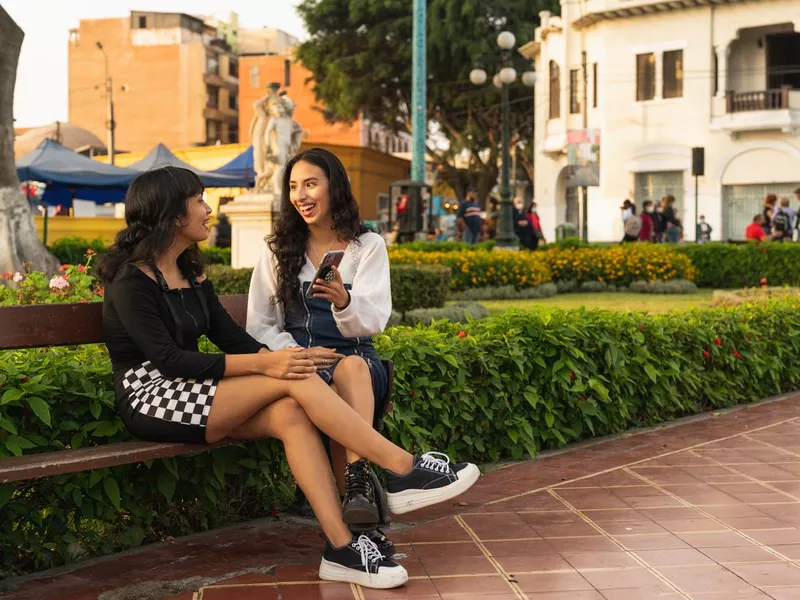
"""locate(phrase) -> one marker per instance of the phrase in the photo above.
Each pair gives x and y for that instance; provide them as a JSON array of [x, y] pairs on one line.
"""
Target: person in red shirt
[[536, 226], [755, 231], [647, 232]]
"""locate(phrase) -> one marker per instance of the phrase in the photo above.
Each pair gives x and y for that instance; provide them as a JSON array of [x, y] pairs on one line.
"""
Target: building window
[[645, 77], [212, 96], [233, 101], [233, 134], [555, 91], [142, 22], [574, 100], [233, 67], [673, 74], [594, 85], [254, 76], [287, 73], [212, 63]]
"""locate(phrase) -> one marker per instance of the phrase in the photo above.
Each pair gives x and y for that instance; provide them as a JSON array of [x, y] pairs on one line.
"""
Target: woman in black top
[[158, 304]]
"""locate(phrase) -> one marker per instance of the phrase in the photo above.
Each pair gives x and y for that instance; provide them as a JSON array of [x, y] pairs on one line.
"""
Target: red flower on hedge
[[81, 268], [640, 328], [736, 354], [6, 275], [582, 399], [23, 380], [90, 252], [718, 342], [763, 281], [706, 354], [462, 334], [413, 394], [571, 376], [63, 267]]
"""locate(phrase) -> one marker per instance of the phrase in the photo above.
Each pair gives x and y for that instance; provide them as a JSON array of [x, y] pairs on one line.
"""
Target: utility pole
[[419, 120], [584, 188], [110, 124]]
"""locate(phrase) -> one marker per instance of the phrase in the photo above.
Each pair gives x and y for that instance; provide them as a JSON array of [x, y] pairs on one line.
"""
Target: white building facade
[[655, 78]]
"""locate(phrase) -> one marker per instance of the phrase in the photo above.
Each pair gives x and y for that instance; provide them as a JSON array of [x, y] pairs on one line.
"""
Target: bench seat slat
[[45, 464]]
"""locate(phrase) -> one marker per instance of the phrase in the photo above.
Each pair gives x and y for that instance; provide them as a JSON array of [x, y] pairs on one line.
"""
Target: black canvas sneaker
[[359, 507], [383, 543], [432, 479], [362, 563]]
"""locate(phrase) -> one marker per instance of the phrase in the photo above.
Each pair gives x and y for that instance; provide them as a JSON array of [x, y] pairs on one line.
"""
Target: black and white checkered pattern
[[186, 401]]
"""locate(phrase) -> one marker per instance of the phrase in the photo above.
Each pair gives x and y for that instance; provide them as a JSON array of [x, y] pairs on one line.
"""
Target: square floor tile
[[450, 550], [655, 541], [748, 523], [787, 593], [566, 530], [614, 515], [778, 536], [534, 562], [552, 582], [704, 579], [600, 560], [632, 527], [486, 585], [693, 525], [637, 577], [519, 548], [734, 510], [659, 515], [442, 565], [714, 539], [790, 551], [767, 574], [653, 502], [418, 589], [584, 544], [688, 557], [661, 593], [740, 554]]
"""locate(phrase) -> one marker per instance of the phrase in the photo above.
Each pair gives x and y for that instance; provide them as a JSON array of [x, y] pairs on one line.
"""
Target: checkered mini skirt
[[157, 408]]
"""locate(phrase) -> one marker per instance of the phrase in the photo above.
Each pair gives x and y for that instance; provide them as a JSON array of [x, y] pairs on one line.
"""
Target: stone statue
[[275, 136]]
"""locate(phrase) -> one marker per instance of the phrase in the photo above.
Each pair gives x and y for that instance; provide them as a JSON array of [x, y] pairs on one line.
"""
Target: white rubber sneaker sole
[[410, 500], [385, 579]]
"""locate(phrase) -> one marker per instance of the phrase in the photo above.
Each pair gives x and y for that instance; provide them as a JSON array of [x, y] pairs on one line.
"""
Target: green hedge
[[72, 250], [727, 266], [486, 390], [413, 286], [526, 381]]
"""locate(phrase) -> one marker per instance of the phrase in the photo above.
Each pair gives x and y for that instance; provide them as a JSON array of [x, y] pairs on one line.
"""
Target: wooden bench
[[69, 325]]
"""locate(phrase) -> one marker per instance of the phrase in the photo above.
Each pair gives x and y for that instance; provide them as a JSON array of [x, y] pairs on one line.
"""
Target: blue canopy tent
[[241, 167], [161, 156], [71, 175]]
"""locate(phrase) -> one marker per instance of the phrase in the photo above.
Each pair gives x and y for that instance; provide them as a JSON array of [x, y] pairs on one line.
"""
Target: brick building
[[174, 80]]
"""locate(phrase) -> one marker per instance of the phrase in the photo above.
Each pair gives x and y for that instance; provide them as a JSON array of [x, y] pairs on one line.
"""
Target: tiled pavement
[[705, 509]]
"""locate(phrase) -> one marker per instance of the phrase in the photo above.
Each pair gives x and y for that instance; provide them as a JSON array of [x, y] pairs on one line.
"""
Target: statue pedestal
[[252, 217]]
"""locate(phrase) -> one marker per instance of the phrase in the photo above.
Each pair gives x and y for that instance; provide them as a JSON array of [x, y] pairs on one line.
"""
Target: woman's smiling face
[[309, 193]]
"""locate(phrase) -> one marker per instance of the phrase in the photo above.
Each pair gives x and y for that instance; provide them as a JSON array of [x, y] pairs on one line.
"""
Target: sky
[[40, 96]]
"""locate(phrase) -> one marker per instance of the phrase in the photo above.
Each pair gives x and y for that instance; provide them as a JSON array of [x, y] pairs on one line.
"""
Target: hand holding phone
[[332, 288]]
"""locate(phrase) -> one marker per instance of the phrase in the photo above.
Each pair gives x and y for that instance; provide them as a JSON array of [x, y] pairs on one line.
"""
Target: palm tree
[[19, 242]]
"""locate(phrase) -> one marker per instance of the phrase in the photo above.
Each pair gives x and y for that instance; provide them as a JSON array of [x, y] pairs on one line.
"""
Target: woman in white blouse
[[321, 215]]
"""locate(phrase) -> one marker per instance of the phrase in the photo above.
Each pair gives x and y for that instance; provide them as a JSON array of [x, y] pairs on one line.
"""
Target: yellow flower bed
[[481, 268], [619, 265], [616, 265]]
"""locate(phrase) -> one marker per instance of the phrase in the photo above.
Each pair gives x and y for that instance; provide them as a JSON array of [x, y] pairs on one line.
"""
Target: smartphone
[[331, 259]]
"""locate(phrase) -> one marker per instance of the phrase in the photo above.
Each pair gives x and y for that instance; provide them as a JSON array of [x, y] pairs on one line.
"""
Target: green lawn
[[652, 303]]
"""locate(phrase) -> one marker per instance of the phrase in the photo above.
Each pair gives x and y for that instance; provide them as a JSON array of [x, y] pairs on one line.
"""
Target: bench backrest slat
[[71, 324]]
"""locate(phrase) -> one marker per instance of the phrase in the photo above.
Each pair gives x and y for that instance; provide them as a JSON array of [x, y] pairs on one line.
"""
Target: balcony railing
[[762, 100]]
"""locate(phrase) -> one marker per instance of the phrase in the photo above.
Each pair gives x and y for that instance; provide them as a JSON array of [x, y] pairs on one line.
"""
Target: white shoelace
[[431, 461], [369, 551]]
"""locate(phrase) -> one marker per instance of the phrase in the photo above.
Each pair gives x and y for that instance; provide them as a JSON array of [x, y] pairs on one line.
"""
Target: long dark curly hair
[[155, 201], [290, 236]]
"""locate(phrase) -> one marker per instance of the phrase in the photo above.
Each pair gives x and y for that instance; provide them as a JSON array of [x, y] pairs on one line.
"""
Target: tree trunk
[[19, 242]]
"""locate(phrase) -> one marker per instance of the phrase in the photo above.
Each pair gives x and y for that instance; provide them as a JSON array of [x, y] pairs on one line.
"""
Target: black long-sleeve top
[[138, 326]]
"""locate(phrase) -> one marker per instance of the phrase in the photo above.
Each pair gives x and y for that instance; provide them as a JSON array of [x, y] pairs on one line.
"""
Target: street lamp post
[[110, 125], [503, 79]]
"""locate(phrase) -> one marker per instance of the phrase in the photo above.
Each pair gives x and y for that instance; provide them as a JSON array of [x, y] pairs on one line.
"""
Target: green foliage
[[419, 286], [228, 280], [71, 250], [727, 266], [507, 292], [446, 246], [217, 256], [72, 284], [521, 382]]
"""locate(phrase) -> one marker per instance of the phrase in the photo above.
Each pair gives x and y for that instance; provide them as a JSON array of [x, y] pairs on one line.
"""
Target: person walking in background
[[633, 226], [536, 226], [673, 224], [703, 233], [659, 223], [523, 227], [783, 222], [755, 231], [770, 202], [647, 233], [469, 219]]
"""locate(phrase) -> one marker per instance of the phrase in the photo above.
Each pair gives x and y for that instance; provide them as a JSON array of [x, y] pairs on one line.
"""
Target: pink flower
[[6, 275], [58, 283]]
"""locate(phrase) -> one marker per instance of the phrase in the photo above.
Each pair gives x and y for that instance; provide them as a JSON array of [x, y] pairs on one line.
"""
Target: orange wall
[[256, 72]]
